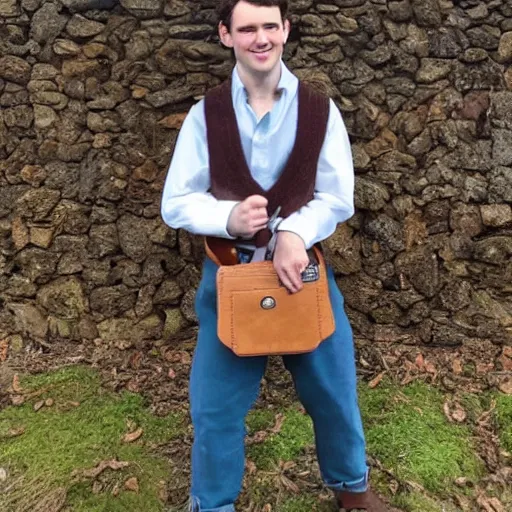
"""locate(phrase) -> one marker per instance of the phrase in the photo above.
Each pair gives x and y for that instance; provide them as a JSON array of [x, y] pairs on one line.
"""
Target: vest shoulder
[[314, 91], [218, 91]]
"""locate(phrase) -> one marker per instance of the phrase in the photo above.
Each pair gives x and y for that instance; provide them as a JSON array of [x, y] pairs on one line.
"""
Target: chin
[[265, 67]]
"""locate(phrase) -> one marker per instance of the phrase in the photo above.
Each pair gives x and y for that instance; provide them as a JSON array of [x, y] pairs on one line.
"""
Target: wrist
[[291, 235], [231, 227]]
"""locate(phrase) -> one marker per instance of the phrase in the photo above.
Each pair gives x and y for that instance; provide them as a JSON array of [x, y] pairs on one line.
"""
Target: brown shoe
[[354, 501]]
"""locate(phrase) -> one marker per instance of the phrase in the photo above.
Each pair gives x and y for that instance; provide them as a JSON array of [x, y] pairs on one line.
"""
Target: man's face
[[257, 37]]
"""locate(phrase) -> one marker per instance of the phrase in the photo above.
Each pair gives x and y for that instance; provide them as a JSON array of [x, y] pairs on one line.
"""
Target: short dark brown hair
[[225, 9]]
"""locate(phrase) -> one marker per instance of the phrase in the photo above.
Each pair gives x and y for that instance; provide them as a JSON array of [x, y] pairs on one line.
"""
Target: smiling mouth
[[260, 52]]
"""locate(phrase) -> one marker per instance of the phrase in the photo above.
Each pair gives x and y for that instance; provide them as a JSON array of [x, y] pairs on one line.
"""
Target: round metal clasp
[[268, 303]]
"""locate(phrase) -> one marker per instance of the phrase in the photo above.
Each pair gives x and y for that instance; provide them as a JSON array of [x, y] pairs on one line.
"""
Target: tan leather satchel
[[256, 313]]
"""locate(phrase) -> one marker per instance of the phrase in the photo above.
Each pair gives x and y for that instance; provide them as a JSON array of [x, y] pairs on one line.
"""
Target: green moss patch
[[504, 419], [82, 427], [295, 434], [416, 502], [407, 431]]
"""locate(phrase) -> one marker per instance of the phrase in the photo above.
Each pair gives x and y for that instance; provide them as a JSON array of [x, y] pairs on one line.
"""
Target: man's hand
[[290, 260], [248, 217]]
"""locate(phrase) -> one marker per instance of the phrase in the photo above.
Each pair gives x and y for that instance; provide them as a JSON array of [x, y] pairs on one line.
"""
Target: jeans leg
[[325, 380], [223, 387]]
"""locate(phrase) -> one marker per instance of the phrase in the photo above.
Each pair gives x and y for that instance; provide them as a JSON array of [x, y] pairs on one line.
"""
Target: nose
[[261, 37]]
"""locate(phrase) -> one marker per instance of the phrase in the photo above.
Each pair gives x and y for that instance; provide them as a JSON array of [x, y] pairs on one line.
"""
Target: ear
[[225, 36], [286, 28]]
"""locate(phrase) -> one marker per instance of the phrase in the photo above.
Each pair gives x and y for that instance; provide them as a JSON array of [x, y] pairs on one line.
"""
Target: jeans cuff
[[360, 485], [195, 506]]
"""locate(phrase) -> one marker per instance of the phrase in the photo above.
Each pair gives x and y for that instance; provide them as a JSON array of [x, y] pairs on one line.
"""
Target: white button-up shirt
[[267, 143]]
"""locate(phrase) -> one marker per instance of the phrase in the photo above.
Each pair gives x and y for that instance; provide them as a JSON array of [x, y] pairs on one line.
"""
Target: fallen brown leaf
[[185, 358], [66, 406], [132, 484], [171, 374], [163, 491], [49, 402], [393, 487], [116, 490], [446, 410], [251, 467], [457, 366], [123, 344], [258, 437], [4, 348], [461, 481], [430, 368], [420, 361], [463, 502], [3, 475], [278, 424], [38, 405], [135, 360], [16, 386], [17, 399], [484, 368], [286, 466], [288, 484], [133, 436], [506, 387], [133, 386], [459, 414], [454, 412], [376, 381], [267, 508], [15, 432], [407, 379], [485, 416], [490, 504], [104, 464]]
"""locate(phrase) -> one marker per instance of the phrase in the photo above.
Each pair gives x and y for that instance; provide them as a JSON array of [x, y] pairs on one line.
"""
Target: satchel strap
[[223, 252]]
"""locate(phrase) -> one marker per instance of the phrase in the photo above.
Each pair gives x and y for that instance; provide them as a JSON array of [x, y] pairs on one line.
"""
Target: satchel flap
[[257, 315]]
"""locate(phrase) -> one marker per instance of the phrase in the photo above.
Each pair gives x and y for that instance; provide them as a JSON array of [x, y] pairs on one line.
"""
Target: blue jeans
[[223, 387]]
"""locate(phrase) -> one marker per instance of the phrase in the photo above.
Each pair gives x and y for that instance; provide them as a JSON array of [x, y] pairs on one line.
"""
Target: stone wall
[[93, 92]]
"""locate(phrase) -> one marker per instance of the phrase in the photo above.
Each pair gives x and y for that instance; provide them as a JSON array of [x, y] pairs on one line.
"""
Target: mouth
[[261, 52]]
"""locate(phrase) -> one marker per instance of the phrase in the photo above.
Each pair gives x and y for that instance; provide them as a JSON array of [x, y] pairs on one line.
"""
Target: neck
[[260, 86]]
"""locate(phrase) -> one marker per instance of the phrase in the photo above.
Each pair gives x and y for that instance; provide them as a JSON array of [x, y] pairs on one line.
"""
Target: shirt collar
[[287, 83]]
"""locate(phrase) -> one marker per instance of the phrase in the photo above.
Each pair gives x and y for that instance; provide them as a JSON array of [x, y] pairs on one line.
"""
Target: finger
[[258, 212], [293, 279], [285, 280], [258, 226], [256, 201], [259, 219]]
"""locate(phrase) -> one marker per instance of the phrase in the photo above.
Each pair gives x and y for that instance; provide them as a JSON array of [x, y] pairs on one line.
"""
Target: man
[[242, 138]]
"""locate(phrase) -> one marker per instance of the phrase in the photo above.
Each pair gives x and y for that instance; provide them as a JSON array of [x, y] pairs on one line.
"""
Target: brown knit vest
[[230, 176]]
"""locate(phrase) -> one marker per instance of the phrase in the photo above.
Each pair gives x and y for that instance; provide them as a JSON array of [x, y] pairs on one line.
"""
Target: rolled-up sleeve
[[186, 202], [333, 200]]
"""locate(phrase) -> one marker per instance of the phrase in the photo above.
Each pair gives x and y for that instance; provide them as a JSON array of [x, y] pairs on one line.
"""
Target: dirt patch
[[160, 372]]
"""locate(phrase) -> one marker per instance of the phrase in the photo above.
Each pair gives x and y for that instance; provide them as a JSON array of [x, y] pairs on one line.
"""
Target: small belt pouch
[[258, 316]]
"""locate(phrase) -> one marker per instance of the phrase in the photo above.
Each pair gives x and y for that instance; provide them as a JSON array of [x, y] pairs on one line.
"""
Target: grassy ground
[[80, 425], [66, 448]]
